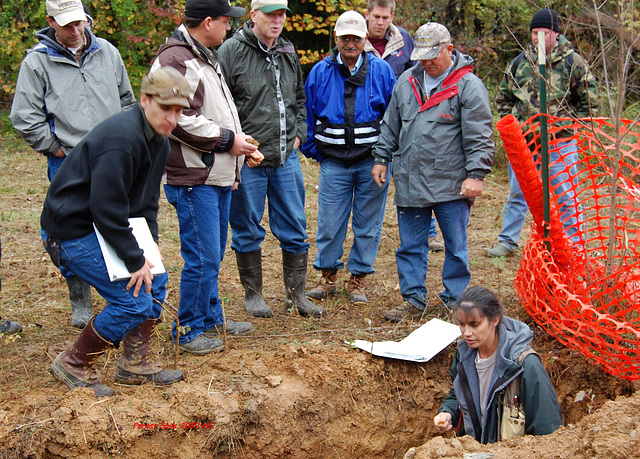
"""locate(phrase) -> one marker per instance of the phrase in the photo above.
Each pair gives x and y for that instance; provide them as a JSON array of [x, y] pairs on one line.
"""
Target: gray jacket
[[436, 143], [58, 100]]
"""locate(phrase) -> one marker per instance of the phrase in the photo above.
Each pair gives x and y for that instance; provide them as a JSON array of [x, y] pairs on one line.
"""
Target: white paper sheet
[[420, 346], [115, 266]]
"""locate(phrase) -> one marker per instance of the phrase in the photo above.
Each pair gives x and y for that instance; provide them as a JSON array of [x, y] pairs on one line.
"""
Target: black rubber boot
[[9, 327], [134, 367], [74, 367], [294, 268], [80, 298], [250, 270]]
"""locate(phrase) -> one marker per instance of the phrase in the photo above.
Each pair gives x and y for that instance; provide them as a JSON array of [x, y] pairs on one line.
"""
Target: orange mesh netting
[[565, 283]]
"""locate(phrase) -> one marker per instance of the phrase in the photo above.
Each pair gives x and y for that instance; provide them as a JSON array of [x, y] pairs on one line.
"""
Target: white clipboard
[[420, 346], [115, 266]]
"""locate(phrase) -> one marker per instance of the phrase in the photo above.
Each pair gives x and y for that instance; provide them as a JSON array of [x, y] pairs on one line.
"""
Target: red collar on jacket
[[449, 88]]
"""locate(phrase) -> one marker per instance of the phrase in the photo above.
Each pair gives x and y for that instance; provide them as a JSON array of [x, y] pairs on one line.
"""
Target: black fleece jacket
[[112, 175]]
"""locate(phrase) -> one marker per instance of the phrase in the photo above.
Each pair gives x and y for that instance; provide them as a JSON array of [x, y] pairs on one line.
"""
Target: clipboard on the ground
[[420, 346], [115, 265]]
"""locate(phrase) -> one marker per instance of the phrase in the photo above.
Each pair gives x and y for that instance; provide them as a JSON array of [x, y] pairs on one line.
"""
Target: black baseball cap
[[212, 8]]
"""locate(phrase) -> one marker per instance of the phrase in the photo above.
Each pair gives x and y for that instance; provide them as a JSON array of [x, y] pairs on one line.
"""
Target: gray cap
[[429, 40], [167, 86]]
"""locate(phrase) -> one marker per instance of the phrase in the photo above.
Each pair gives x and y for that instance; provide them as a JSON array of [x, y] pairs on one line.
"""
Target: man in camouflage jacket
[[571, 90]]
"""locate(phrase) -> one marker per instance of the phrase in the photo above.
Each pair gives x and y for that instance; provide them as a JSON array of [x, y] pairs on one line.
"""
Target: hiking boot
[[294, 270], [202, 346], [356, 289], [499, 250], [326, 286], [250, 270], [80, 299], [9, 327], [232, 328], [402, 311], [74, 366], [134, 367], [435, 244]]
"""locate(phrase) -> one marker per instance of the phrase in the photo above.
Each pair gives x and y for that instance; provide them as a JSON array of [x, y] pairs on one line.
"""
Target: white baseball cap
[[66, 11], [351, 23]]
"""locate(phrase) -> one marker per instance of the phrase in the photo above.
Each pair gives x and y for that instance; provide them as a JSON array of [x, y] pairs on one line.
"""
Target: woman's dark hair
[[479, 297]]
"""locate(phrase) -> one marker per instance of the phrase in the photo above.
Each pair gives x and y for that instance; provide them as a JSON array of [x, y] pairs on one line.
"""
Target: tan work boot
[[356, 289], [326, 286], [404, 310], [435, 244]]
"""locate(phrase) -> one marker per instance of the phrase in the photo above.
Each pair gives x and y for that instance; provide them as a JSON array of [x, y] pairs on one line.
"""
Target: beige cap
[[65, 11], [269, 6], [167, 86], [429, 40], [351, 23]]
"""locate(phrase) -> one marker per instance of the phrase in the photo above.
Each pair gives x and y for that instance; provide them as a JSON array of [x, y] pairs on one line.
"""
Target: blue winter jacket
[[343, 110]]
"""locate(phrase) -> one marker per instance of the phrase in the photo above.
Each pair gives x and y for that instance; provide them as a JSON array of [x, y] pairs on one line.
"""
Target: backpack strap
[[524, 355]]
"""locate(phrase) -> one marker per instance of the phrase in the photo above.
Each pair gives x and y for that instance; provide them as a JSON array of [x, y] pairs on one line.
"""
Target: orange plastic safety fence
[[583, 283]]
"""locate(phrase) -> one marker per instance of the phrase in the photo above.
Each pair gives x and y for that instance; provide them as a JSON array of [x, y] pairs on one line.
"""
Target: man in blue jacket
[[347, 94], [393, 44], [437, 131]]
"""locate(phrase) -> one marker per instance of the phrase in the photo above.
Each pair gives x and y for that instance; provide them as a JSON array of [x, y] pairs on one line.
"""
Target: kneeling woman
[[496, 376]]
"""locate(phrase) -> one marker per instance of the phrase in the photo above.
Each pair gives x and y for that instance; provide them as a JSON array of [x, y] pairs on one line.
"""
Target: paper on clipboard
[[420, 346], [115, 266]]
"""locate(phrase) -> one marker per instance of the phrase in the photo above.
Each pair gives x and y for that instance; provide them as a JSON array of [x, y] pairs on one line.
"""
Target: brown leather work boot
[[74, 366], [402, 311], [134, 366], [356, 289], [326, 286]]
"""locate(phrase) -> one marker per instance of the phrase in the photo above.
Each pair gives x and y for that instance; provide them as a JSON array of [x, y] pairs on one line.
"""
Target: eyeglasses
[[352, 39]]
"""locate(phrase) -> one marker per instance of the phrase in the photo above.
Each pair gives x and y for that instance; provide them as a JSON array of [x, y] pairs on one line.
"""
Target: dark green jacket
[[537, 395], [251, 73]]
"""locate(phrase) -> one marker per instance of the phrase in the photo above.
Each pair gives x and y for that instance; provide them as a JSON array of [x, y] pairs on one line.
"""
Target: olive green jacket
[[268, 90]]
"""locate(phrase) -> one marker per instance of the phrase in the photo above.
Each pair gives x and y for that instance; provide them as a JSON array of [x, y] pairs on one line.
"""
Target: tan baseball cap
[[65, 11], [351, 23], [429, 40], [167, 86], [269, 6]]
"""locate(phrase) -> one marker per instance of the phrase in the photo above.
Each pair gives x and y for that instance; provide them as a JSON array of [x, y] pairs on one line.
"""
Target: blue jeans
[[284, 189], [433, 231], [413, 255], [203, 215], [515, 206], [343, 190], [123, 312], [53, 164]]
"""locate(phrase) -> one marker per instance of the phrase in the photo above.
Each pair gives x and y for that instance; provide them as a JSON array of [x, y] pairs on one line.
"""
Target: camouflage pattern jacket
[[571, 88]]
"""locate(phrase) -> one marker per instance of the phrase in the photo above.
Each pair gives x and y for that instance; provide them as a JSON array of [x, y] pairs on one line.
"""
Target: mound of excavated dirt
[[291, 390]]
